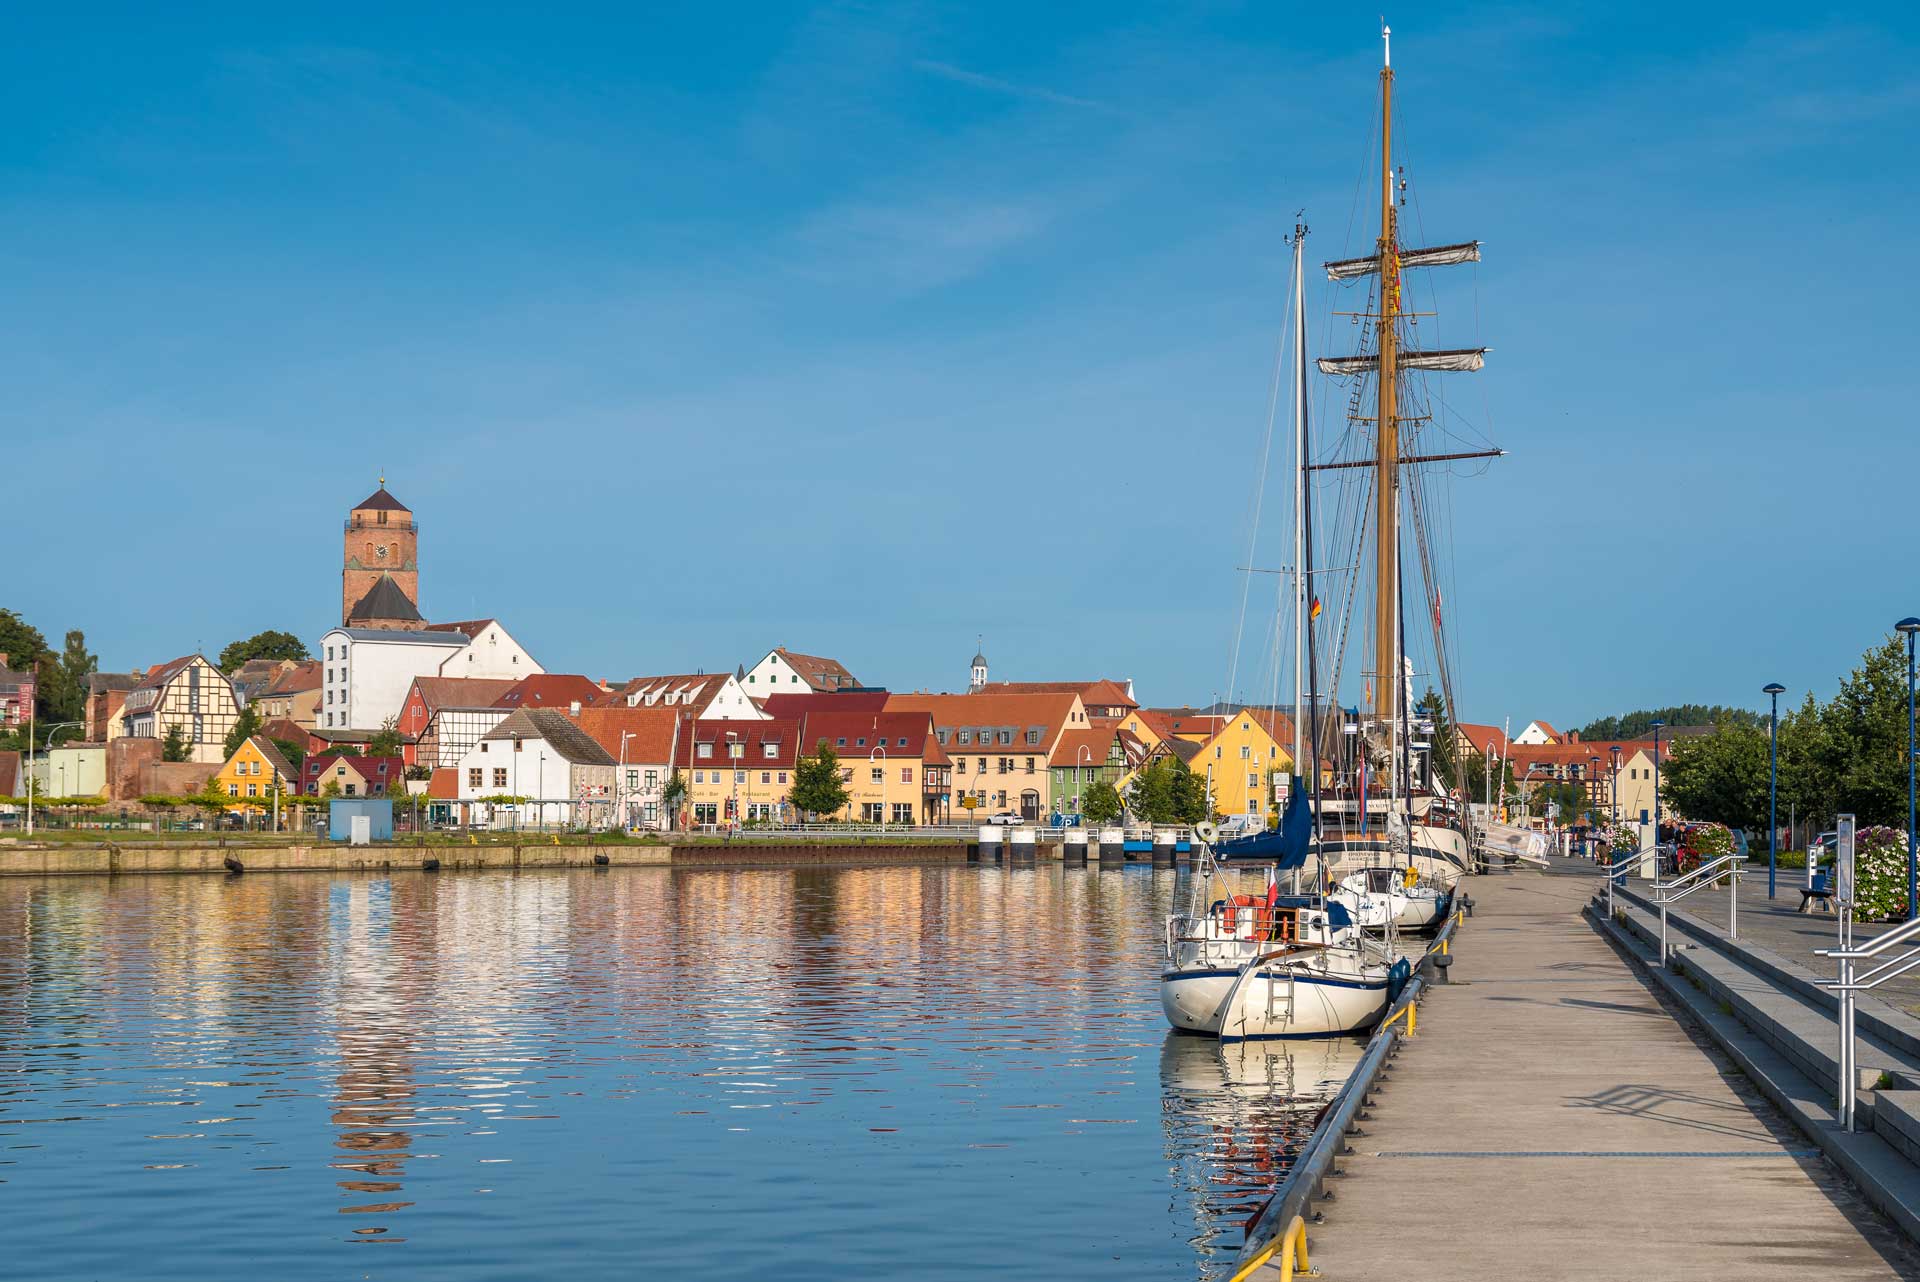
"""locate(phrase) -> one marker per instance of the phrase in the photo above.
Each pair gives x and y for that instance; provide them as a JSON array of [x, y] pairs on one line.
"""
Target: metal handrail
[[1899, 934], [1727, 864], [1847, 985], [1730, 862]]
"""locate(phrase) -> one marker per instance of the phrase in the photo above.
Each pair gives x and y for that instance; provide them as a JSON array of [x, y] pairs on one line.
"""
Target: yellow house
[[1140, 728], [1241, 759], [736, 771], [256, 769]]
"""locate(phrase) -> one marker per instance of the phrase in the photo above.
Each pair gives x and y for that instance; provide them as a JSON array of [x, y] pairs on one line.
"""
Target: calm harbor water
[[820, 1073]]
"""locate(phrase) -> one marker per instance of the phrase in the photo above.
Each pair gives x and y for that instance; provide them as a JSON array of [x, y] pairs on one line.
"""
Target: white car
[[1008, 818]]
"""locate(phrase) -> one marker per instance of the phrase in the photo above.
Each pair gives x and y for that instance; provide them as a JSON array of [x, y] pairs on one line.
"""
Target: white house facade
[[539, 754], [366, 672], [785, 671]]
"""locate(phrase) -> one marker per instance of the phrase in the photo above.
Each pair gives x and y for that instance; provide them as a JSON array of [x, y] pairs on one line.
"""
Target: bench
[[1818, 895]]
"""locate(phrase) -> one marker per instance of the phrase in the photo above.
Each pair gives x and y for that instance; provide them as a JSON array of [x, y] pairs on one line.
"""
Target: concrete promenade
[[1552, 1119]]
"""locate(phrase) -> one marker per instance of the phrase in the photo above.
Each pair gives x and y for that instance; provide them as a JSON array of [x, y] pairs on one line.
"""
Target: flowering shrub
[[1880, 874], [1698, 843]]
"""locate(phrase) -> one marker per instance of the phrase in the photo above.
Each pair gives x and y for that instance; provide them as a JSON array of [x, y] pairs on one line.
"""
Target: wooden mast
[[1386, 475]]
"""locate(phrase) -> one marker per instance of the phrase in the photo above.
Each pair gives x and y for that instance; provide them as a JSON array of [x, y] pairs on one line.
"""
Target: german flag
[[1314, 611]]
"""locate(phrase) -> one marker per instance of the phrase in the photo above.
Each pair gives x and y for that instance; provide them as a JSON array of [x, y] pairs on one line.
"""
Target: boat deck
[[1552, 1119]]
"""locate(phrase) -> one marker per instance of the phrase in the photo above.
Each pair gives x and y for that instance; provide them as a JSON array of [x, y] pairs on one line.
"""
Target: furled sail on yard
[[1458, 359], [1438, 256]]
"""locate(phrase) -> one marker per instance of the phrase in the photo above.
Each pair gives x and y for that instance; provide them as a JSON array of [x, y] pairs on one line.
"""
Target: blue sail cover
[[1285, 846]]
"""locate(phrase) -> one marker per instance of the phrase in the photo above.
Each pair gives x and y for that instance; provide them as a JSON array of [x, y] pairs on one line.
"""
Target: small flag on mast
[[1314, 612]]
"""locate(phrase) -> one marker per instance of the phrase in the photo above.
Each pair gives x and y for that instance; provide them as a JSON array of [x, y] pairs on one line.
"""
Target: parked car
[[1009, 818]]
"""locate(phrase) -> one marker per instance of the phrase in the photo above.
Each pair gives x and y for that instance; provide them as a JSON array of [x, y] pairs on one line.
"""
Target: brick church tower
[[380, 575]]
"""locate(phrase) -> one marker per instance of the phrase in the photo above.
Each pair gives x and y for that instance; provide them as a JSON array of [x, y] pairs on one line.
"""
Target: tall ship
[[1380, 795], [1372, 831]]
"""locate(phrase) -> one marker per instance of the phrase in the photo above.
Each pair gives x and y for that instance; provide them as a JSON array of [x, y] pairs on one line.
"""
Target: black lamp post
[[1613, 787], [1773, 689], [1910, 626]]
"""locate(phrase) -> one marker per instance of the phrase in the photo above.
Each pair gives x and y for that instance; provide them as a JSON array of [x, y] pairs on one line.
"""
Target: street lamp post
[[1910, 626], [1079, 766], [882, 750], [1773, 689], [620, 781], [1487, 799], [1613, 785], [1656, 791]]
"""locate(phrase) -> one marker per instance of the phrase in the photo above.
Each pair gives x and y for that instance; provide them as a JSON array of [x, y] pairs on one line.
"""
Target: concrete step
[[1873, 1016], [1896, 1119], [1880, 1168], [1803, 1032]]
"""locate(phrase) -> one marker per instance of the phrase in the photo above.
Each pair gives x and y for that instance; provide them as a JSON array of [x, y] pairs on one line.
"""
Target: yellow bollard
[[1292, 1248]]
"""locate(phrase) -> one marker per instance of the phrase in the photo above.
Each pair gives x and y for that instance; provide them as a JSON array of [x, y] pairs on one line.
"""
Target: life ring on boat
[[1256, 907], [1205, 831]]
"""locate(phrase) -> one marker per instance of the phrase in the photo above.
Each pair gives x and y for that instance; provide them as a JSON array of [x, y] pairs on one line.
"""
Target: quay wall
[[57, 861]]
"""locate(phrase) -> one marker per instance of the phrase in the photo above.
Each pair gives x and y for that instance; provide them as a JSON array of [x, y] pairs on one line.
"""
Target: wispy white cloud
[[917, 245], [993, 84]]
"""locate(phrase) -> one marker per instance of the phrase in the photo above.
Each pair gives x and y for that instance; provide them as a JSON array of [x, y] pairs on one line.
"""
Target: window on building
[[841, 742], [959, 765], [351, 789], [233, 790], [879, 775], [901, 742], [769, 750], [499, 776], [960, 736], [1245, 752], [253, 790], [473, 776], [903, 812], [739, 776], [906, 774], [783, 776], [1253, 781], [653, 777], [633, 778], [703, 750]]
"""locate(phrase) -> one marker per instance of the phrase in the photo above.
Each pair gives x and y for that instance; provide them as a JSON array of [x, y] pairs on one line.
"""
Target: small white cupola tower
[[978, 681]]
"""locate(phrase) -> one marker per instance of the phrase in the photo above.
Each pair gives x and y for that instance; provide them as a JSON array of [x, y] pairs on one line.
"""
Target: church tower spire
[[978, 680]]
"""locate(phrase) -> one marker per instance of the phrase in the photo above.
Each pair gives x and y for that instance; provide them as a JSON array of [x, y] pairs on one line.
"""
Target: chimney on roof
[[1573, 736]]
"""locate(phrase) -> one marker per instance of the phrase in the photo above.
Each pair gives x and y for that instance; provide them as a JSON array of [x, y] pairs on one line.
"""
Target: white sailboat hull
[[1276, 1001]]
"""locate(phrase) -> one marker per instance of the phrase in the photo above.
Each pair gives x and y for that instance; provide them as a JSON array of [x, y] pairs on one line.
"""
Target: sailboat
[[1263, 964]]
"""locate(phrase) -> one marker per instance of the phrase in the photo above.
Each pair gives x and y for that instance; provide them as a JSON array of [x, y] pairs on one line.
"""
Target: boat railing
[[1707, 874], [1848, 985]]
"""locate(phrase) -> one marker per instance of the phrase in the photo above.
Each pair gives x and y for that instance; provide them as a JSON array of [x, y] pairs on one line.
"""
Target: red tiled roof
[[444, 784], [652, 730], [1097, 741], [816, 670], [550, 690], [1561, 754], [824, 701], [865, 731], [753, 736], [1480, 736], [462, 692], [302, 676], [368, 768], [690, 691], [1104, 693], [470, 627], [1017, 712]]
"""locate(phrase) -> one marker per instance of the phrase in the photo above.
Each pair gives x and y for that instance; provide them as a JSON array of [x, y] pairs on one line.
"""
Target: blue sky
[[865, 329]]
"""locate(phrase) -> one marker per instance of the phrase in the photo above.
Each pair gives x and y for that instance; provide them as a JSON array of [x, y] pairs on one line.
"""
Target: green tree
[[672, 795], [63, 692], [295, 753], [1101, 805], [245, 726], [24, 645], [1719, 777], [817, 789], [1477, 781], [386, 742], [262, 645], [174, 746], [1167, 792], [1639, 725]]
